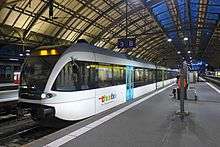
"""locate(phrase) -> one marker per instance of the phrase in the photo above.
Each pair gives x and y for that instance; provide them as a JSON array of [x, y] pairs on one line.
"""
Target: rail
[[215, 80]]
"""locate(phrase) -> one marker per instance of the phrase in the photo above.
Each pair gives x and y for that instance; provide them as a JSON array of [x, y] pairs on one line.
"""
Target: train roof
[[83, 46], [86, 47]]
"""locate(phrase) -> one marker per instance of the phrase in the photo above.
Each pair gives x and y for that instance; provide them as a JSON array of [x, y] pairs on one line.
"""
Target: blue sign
[[198, 65], [127, 43]]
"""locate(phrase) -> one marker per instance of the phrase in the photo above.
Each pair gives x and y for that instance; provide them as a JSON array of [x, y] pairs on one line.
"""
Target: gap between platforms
[[212, 86], [100, 121]]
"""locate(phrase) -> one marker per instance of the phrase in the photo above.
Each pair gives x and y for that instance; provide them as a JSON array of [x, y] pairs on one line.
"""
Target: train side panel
[[110, 97], [72, 105], [170, 81], [138, 91]]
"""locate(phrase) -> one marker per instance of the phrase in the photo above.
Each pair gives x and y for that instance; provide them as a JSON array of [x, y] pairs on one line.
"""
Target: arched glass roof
[[103, 22]]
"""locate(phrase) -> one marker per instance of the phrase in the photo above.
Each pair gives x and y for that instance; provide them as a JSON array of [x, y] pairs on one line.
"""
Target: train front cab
[[33, 78]]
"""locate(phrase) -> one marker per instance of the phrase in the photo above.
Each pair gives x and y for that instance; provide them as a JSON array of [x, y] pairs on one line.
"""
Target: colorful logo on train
[[107, 98]]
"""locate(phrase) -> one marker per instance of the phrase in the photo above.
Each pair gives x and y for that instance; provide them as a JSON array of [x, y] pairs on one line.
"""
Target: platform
[[8, 86], [9, 95], [150, 123]]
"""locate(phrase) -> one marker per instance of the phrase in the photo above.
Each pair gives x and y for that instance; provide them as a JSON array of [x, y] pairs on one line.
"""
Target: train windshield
[[36, 71]]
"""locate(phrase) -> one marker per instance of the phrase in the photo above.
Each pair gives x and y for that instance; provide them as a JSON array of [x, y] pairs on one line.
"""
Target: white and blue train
[[82, 80]]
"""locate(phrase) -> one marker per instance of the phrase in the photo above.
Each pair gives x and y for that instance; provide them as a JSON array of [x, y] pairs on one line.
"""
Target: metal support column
[[126, 17], [183, 90]]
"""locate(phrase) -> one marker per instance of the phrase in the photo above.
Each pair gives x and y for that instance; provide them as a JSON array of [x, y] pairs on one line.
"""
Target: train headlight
[[46, 95], [43, 95]]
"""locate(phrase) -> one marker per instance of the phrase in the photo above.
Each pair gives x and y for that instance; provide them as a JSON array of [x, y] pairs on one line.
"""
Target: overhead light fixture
[[169, 40], [178, 52], [51, 10], [28, 50], [13, 59], [185, 38], [190, 57], [27, 54], [21, 55], [43, 52], [188, 52]]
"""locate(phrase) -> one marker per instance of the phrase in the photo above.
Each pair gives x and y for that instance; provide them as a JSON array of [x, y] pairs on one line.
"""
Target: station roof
[[103, 22]]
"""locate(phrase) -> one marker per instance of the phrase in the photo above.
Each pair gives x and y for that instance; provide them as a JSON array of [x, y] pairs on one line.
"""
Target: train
[[7, 70], [214, 74], [76, 82]]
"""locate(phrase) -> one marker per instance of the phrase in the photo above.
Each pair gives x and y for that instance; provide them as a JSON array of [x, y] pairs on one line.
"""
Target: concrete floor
[[153, 123]]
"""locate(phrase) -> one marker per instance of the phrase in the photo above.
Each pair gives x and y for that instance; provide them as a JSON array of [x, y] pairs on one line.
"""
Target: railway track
[[18, 129], [19, 132], [7, 117]]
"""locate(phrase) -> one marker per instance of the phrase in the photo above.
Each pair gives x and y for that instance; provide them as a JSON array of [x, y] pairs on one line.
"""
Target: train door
[[129, 83]]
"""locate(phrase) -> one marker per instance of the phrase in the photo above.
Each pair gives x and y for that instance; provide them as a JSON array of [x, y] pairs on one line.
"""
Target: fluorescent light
[[21, 55], [28, 50], [178, 52], [13, 59], [169, 40], [189, 52], [27, 54], [185, 38], [43, 52], [190, 57]]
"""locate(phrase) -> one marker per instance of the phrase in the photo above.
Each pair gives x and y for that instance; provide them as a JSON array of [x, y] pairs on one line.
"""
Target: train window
[[118, 74], [151, 76], [68, 78], [154, 75], [159, 75], [91, 75], [78, 76], [165, 75], [146, 76], [139, 77], [104, 75], [168, 74], [84, 75], [36, 71], [171, 74]]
